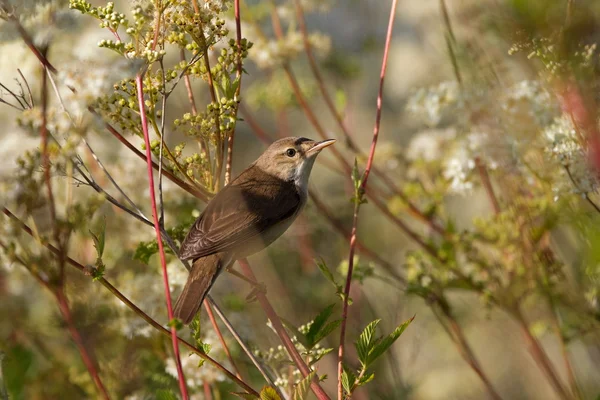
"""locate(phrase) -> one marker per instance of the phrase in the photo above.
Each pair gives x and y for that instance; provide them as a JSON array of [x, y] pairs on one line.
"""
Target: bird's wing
[[242, 210]]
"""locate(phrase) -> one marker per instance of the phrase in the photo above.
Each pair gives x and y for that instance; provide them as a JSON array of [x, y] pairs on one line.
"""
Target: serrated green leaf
[[268, 393], [322, 353], [326, 330], [384, 344], [100, 239], [318, 324], [145, 250], [326, 272], [356, 178], [366, 378], [164, 394], [365, 342], [348, 379], [301, 389]]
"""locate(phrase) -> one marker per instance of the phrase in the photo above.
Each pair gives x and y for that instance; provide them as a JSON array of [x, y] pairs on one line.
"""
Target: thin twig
[[66, 313], [357, 203], [282, 333], [140, 93], [87, 360], [458, 337], [487, 184], [31, 102], [81, 268], [231, 135], [539, 355], [211, 316]]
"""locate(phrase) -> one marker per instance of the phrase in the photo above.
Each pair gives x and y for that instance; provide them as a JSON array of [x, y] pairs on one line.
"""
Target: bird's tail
[[202, 276]]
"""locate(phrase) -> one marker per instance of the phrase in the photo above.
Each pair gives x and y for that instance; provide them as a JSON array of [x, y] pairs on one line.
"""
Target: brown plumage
[[246, 216]]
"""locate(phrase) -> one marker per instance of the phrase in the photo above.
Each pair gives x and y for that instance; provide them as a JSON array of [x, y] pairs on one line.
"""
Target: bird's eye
[[290, 152]]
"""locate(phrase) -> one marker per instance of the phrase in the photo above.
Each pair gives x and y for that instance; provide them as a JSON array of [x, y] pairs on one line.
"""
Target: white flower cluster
[[146, 290], [429, 145], [565, 148], [195, 374], [529, 97], [272, 53], [433, 103]]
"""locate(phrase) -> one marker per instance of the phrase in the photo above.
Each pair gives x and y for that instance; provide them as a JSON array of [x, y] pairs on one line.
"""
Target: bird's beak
[[318, 146]]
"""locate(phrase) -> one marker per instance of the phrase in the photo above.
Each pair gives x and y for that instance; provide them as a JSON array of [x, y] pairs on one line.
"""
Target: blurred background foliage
[[482, 215]]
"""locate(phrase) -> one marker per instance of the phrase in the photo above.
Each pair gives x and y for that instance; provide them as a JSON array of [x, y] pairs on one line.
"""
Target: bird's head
[[292, 158]]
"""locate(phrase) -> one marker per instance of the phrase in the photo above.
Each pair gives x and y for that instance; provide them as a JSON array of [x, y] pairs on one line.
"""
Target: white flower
[[433, 103], [429, 145], [457, 172]]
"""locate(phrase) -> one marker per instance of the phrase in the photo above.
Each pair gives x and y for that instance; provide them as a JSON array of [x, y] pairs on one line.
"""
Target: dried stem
[[230, 136], [539, 355], [87, 360], [357, 203], [487, 184], [458, 337], [282, 333], [211, 316], [140, 93]]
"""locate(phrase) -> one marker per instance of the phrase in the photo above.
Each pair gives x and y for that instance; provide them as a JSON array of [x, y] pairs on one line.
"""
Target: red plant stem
[[207, 392], [213, 322], [282, 333], [487, 184], [140, 93], [458, 336], [87, 360], [362, 189], [539, 355]]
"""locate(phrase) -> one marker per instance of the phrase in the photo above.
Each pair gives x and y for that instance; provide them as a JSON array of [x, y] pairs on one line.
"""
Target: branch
[[85, 270], [140, 93], [87, 360], [282, 333], [238, 39], [361, 191]]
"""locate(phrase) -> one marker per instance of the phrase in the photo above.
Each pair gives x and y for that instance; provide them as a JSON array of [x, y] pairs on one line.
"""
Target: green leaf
[[164, 394], [365, 342], [356, 177], [383, 345], [366, 378], [145, 250], [17, 362], [322, 353], [340, 101], [327, 329], [326, 272], [301, 389], [318, 324], [99, 240], [268, 393], [348, 379]]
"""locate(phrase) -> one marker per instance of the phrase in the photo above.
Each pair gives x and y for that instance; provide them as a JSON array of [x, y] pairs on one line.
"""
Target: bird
[[246, 216]]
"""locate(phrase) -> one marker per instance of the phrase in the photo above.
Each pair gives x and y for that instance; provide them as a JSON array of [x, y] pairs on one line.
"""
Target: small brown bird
[[247, 216]]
